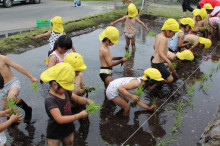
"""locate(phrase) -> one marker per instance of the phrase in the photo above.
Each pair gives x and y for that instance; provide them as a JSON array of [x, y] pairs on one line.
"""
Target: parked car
[[9, 3]]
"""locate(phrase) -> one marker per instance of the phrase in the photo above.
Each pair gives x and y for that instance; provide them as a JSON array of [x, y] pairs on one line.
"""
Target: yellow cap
[[152, 73], [46, 61], [206, 42], [188, 21], [185, 55], [57, 24], [111, 33], [200, 12], [62, 73], [171, 24], [132, 10], [76, 61], [208, 6]]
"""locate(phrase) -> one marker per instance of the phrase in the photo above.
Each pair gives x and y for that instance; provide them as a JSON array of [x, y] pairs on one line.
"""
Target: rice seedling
[[151, 34], [190, 90], [10, 139], [92, 108], [178, 121], [207, 87], [174, 63], [12, 104], [210, 74], [204, 28], [204, 76], [201, 84], [127, 54], [154, 101], [192, 41], [89, 89], [34, 86], [140, 90]]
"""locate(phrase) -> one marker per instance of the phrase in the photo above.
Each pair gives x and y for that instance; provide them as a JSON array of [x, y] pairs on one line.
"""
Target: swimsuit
[[12, 83], [161, 67], [105, 72]]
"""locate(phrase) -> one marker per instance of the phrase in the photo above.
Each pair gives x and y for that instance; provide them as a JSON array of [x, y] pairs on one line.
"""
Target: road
[[23, 16]]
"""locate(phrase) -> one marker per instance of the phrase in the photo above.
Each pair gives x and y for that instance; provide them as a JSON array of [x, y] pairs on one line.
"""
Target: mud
[[108, 127]]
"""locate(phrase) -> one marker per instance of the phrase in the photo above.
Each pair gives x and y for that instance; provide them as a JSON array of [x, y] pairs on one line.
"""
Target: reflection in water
[[128, 66], [114, 128], [19, 138]]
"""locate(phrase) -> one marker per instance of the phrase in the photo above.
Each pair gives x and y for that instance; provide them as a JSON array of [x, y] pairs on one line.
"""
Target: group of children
[[66, 82]]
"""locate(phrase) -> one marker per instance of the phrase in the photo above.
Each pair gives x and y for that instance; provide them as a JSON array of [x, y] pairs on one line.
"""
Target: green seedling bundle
[[174, 63], [92, 108], [154, 101], [140, 90], [34, 86], [127, 54], [192, 41], [204, 28], [11, 104], [89, 88], [151, 34]]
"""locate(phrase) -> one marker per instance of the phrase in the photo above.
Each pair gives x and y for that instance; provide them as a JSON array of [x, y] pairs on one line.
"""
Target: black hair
[[182, 25], [63, 41], [150, 82], [105, 39], [1, 81], [50, 82]]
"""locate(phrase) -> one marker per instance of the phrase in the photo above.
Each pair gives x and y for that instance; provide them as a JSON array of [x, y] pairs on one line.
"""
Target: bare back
[[160, 38], [78, 83], [104, 55], [5, 68]]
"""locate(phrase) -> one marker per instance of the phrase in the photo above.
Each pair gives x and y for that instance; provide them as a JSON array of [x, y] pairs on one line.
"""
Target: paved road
[[22, 16]]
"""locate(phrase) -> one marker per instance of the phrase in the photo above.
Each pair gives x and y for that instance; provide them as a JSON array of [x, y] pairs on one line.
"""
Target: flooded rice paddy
[[108, 127]]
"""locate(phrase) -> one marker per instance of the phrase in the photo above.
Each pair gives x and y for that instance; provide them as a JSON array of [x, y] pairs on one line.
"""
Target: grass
[[11, 103], [26, 39], [92, 108]]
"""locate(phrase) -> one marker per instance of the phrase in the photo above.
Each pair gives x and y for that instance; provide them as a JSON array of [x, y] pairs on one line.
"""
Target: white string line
[[164, 102]]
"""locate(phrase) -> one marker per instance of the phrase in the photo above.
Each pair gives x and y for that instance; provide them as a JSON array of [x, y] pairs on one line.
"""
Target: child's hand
[[124, 59], [6, 112], [33, 79], [16, 118], [82, 92], [153, 107], [83, 114], [111, 24], [135, 98], [89, 101]]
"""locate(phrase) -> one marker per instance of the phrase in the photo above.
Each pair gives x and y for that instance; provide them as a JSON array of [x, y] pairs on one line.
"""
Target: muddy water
[[108, 127]]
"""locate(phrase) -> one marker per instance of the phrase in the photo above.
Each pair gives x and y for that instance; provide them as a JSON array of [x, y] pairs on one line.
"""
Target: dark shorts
[[161, 67], [105, 72]]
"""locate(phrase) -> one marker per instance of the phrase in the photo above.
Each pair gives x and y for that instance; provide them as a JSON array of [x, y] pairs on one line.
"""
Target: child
[[12, 85], [161, 48], [195, 40], [57, 104], [55, 33], [129, 29], [186, 6], [77, 62], [184, 55], [186, 24], [61, 46], [109, 37], [199, 15], [215, 22], [117, 89]]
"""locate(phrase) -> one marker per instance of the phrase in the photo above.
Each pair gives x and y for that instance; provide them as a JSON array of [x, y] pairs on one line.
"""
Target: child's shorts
[[130, 36], [12, 83], [105, 72]]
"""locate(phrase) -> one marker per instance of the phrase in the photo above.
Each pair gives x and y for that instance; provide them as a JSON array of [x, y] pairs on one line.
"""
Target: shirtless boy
[[161, 49], [109, 37], [12, 85]]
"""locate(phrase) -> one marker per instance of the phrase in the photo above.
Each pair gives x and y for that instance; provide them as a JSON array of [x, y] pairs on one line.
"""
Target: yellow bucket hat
[[57, 24], [201, 12], [171, 24], [208, 6], [62, 73], [206, 42], [196, 12], [132, 10], [188, 21], [111, 33], [76, 61], [152, 73], [185, 55]]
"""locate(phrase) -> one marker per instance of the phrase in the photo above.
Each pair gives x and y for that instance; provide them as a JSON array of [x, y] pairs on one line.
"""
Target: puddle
[[108, 127]]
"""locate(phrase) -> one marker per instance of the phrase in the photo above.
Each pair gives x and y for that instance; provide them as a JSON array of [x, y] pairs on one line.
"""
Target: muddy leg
[[133, 44], [107, 81], [53, 142], [127, 43], [68, 141], [123, 104]]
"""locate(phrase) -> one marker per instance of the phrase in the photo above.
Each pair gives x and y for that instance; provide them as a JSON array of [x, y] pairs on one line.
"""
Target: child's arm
[[55, 112], [73, 49], [120, 19], [133, 84], [52, 61], [43, 35], [194, 45], [19, 68], [109, 61], [162, 47], [139, 21], [80, 100], [180, 43], [82, 90]]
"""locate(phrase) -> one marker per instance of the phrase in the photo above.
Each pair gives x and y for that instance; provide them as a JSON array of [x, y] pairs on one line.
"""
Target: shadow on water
[[109, 127]]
